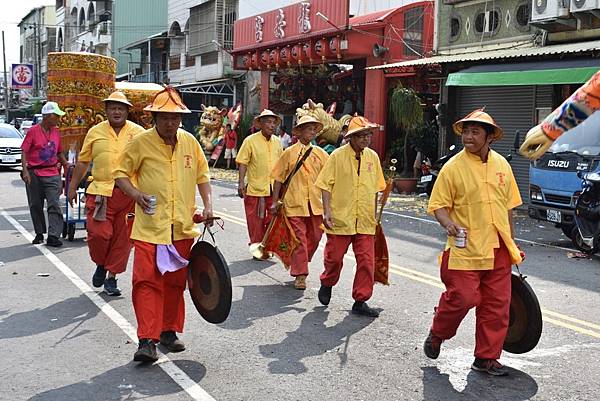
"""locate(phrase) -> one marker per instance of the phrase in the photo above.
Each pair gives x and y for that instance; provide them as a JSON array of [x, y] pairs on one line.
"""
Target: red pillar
[[265, 81], [375, 104]]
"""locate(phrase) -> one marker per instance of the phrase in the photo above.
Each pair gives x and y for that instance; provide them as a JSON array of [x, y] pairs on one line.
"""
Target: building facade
[[37, 38], [84, 26]]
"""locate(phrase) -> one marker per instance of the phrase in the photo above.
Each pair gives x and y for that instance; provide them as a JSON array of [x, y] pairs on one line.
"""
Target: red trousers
[[489, 291], [108, 241], [308, 231], [257, 226], [363, 246], [158, 299]]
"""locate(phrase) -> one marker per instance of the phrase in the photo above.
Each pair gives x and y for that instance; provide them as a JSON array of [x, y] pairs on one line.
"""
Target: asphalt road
[[61, 339]]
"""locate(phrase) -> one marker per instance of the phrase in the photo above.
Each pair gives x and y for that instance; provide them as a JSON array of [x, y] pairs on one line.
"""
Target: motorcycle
[[430, 171], [587, 214]]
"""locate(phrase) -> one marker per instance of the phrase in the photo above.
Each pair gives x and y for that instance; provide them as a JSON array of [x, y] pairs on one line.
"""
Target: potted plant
[[406, 114]]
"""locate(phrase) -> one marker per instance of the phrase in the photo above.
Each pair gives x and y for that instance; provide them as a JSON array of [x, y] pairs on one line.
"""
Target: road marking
[[178, 375], [556, 318], [526, 241]]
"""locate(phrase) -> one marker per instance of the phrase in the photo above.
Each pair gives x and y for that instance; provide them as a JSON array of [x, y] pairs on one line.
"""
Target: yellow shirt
[[102, 146], [478, 197], [352, 195], [259, 155], [172, 176], [301, 190]]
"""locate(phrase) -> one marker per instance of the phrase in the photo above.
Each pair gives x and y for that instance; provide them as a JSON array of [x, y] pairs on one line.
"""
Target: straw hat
[[266, 113], [307, 120], [478, 116], [118, 97], [358, 124], [167, 101]]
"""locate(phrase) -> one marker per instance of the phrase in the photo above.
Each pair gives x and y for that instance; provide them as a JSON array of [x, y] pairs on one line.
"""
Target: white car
[[10, 146], [25, 125]]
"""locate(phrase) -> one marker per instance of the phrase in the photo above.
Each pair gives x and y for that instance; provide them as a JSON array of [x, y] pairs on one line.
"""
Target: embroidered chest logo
[[369, 166], [187, 161], [501, 179]]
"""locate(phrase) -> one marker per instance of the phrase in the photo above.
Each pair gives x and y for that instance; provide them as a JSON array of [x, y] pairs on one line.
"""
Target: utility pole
[[36, 87], [6, 97]]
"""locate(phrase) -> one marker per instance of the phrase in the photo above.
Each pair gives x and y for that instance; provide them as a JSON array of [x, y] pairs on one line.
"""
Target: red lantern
[[247, 61], [284, 55], [322, 49], [334, 47], [297, 54], [274, 57], [264, 58], [308, 52], [254, 62]]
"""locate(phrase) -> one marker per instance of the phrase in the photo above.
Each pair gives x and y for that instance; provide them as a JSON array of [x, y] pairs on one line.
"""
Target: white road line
[[516, 239], [178, 375]]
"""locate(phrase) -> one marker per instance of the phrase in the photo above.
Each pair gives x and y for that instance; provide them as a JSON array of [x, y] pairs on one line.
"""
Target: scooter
[[587, 214], [429, 171]]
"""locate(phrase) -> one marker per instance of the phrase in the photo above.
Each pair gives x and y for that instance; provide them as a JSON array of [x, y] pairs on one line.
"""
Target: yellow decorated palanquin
[[140, 94], [78, 82]]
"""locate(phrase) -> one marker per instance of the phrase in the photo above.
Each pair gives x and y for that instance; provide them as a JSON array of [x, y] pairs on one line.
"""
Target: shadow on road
[[75, 310], [131, 381], [260, 301], [516, 386], [243, 267], [313, 338]]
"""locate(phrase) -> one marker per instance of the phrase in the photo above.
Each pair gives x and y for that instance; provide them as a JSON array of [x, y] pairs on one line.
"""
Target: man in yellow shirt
[[302, 201], [350, 181], [474, 195], [255, 160], [106, 205], [168, 165]]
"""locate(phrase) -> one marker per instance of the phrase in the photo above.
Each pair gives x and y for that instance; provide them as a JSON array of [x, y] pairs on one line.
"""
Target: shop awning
[[533, 73], [512, 53]]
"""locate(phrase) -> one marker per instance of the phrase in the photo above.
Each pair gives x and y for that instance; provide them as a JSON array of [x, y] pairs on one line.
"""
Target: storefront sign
[[294, 22]]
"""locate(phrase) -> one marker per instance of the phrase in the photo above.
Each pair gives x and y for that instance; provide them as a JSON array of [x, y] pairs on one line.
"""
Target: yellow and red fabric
[[257, 226], [108, 241], [103, 147], [363, 246], [259, 155], [488, 291], [172, 175], [158, 299], [478, 197], [308, 232], [283, 242]]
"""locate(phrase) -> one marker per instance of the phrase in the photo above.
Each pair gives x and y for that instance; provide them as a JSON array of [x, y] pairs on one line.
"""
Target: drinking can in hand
[[151, 209], [460, 241]]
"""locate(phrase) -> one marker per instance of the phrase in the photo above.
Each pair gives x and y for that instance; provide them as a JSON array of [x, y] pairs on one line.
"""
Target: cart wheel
[[64, 230], [71, 232]]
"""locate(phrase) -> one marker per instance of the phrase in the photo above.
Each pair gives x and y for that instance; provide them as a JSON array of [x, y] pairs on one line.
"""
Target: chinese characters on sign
[[304, 18], [22, 76], [258, 28], [280, 25]]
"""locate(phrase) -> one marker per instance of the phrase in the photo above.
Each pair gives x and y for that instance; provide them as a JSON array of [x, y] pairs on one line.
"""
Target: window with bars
[[190, 61], [209, 22], [174, 62], [209, 58], [413, 32]]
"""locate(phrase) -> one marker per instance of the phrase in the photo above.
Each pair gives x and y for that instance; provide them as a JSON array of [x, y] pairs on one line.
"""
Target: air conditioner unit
[[585, 6], [544, 10]]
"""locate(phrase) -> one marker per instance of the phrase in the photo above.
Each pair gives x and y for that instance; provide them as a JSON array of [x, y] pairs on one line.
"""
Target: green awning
[[525, 74]]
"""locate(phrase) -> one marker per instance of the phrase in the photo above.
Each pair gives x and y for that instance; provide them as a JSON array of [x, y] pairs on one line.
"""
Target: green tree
[[406, 114]]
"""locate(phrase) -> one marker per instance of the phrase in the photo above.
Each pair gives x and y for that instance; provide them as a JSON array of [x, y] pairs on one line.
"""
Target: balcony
[[156, 77]]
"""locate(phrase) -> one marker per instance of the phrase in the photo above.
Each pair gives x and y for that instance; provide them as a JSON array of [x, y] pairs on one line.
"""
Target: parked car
[[25, 125], [37, 118], [10, 146]]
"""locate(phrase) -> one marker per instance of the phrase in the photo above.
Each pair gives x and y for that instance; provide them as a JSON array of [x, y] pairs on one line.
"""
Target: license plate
[[8, 159], [426, 178], [553, 215]]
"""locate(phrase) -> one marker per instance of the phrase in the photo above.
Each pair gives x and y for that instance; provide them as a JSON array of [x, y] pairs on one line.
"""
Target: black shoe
[[325, 294], [110, 287], [432, 346], [171, 342], [146, 351], [361, 308], [53, 241], [490, 366], [39, 238], [99, 276]]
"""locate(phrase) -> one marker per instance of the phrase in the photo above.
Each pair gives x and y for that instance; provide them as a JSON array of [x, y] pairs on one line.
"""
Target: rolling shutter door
[[513, 108]]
